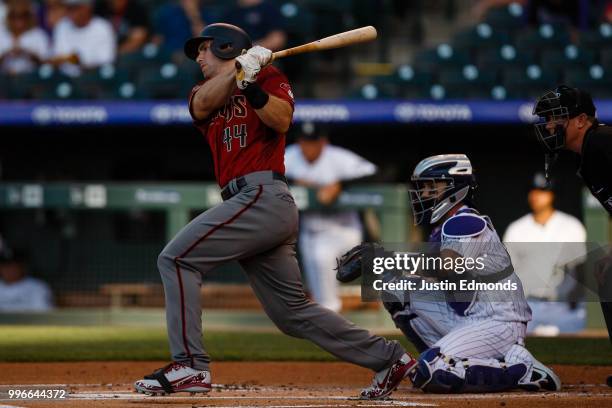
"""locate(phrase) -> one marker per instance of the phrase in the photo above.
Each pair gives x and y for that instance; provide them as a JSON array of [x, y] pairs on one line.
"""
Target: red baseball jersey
[[240, 142]]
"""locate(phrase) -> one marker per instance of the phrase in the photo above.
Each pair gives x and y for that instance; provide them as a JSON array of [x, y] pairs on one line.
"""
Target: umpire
[[568, 121]]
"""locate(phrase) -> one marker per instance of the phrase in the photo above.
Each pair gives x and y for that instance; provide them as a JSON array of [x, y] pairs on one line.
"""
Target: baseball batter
[[244, 114]]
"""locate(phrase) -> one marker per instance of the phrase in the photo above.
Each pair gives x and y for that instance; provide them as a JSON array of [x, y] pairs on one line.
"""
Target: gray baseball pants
[[258, 227]]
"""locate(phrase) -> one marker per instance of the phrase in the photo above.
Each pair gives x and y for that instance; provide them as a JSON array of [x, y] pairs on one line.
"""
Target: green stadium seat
[[34, 85], [595, 79], [528, 82], [123, 91], [166, 81], [148, 55], [509, 17], [91, 83], [467, 82], [598, 39], [369, 91], [504, 57], [479, 36], [406, 82], [545, 36], [557, 60], [444, 55], [61, 90]]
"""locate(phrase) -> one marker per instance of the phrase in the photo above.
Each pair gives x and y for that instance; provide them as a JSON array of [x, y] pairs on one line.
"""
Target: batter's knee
[[165, 262]]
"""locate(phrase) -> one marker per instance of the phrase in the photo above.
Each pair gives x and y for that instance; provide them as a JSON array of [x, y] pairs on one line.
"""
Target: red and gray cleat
[[174, 377], [387, 380]]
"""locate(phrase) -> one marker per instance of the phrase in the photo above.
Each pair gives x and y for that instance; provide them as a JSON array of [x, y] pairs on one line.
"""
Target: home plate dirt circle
[[276, 385]]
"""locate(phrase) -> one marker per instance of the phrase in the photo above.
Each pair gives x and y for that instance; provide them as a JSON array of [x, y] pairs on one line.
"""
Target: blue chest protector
[[460, 226]]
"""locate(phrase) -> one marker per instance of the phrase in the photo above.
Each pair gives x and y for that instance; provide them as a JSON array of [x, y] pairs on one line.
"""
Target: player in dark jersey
[[244, 114]]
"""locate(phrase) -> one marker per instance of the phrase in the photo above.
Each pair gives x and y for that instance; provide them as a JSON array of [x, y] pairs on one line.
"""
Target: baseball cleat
[[175, 377], [387, 380], [542, 378]]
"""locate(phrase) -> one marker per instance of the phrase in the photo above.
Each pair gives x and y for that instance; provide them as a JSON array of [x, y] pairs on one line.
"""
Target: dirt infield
[[275, 384]]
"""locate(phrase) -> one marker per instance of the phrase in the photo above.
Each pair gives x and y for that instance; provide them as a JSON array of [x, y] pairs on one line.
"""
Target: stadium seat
[[509, 17], [370, 91], [34, 85], [406, 82], [595, 79], [479, 36], [598, 39], [91, 83], [166, 81], [528, 82], [444, 55], [557, 60], [467, 82], [503, 57], [133, 62], [545, 36], [123, 91]]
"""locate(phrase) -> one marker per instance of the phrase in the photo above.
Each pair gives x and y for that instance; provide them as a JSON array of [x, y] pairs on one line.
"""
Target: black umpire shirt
[[596, 165]]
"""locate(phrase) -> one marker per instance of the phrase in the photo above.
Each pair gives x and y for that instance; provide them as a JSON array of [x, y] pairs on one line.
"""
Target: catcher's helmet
[[430, 200], [228, 41], [556, 107]]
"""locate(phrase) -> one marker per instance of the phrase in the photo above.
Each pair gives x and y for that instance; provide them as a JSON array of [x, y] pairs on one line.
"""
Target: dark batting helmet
[[228, 41], [439, 183]]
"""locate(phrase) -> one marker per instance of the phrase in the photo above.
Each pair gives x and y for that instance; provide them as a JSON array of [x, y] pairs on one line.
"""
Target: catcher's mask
[[554, 109], [439, 183]]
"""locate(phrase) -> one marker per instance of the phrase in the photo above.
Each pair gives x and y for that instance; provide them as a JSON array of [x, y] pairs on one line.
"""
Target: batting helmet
[[228, 41], [556, 107], [431, 201]]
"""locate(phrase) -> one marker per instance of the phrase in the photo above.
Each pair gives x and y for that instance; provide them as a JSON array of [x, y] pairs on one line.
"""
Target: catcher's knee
[[402, 322], [437, 373]]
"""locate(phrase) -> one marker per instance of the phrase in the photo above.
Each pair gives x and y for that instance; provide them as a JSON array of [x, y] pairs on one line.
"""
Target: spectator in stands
[[82, 40], [2, 13], [130, 21], [19, 292], [262, 20], [542, 266], [178, 21], [607, 11], [50, 13], [23, 45]]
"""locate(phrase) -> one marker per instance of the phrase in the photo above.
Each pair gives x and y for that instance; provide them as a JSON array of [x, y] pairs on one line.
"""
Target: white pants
[[319, 250]]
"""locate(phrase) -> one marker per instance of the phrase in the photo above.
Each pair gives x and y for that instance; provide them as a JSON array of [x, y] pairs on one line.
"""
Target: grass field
[[51, 343]]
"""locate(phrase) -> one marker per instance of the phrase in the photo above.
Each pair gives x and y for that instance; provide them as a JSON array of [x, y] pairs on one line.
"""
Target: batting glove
[[249, 68], [263, 55]]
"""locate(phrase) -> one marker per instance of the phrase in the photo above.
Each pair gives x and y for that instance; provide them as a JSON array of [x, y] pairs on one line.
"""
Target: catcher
[[474, 342]]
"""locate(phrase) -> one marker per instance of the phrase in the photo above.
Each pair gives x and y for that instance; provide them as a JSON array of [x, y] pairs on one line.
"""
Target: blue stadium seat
[[369, 91], [64, 89], [557, 60], [123, 91], [148, 55]]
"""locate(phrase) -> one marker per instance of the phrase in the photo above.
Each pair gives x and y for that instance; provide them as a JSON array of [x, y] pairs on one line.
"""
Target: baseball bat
[[357, 36]]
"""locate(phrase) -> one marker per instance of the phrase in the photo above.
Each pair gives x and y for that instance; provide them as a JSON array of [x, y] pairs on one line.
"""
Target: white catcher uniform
[[325, 235]]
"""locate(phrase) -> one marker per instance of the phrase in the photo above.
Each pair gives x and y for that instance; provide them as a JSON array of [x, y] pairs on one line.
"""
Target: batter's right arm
[[214, 93]]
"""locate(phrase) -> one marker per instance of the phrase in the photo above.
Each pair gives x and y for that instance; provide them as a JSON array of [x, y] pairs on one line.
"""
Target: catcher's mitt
[[349, 265]]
